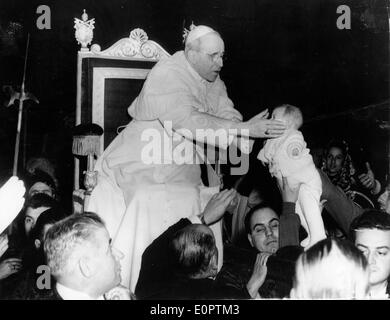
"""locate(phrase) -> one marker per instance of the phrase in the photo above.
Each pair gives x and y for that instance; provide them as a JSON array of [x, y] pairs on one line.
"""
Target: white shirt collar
[[71, 294], [381, 294]]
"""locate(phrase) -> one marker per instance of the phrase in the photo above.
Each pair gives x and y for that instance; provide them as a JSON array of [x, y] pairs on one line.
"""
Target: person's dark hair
[[248, 216], [192, 250], [50, 216], [42, 163], [40, 200], [39, 176], [370, 219], [33, 256]]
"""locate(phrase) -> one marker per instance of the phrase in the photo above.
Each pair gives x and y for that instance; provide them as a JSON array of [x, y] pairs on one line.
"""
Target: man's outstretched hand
[[261, 127]]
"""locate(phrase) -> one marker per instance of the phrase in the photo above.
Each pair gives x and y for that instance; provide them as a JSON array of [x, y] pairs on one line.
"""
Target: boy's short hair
[[370, 219]]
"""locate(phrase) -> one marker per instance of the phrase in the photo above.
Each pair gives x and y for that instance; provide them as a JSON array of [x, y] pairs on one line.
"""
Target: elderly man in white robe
[[145, 183]]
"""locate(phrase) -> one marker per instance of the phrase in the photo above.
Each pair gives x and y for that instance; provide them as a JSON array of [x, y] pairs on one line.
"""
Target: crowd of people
[[154, 230]]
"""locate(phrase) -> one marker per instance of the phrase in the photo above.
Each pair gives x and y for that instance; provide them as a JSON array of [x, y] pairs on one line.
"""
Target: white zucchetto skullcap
[[196, 32]]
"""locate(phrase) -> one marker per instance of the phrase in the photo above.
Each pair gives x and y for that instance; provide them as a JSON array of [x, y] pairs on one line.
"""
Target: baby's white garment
[[287, 156]]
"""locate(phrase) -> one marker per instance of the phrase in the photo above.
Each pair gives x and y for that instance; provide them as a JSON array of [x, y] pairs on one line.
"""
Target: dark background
[[278, 52]]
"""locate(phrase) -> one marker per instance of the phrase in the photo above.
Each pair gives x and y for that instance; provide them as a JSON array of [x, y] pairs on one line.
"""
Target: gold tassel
[[85, 145]]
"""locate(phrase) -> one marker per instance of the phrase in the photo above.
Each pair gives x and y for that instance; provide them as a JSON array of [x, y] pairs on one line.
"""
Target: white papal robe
[[139, 200]]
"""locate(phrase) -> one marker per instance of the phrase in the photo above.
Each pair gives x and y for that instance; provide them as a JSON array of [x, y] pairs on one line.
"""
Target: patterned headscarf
[[343, 178]]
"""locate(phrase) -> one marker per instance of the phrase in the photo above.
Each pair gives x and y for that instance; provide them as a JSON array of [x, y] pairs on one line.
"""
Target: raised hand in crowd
[[289, 193], [258, 275], [368, 179], [10, 266], [11, 201], [218, 205]]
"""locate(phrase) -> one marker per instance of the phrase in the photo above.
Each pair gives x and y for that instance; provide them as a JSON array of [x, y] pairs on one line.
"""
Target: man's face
[[375, 245], [31, 218], [334, 160], [264, 234], [106, 262], [40, 187], [208, 59]]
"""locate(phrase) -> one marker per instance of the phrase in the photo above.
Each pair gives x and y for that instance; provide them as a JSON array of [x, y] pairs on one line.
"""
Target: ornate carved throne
[[107, 82]]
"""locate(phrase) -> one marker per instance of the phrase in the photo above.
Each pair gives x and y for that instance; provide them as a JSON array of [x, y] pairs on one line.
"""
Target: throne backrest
[[108, 81]]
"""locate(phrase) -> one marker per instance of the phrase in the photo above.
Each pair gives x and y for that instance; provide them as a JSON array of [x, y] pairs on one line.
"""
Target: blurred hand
[[11, 201], [245, 144], [118, 293], [261, 127], [10, 266], [217, 205], [259, 274], [289, 193], [384, 201], [367, 179], [3, 244]]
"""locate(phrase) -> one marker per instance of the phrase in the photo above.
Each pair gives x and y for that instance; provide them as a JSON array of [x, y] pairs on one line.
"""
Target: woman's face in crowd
[[334, 160]]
